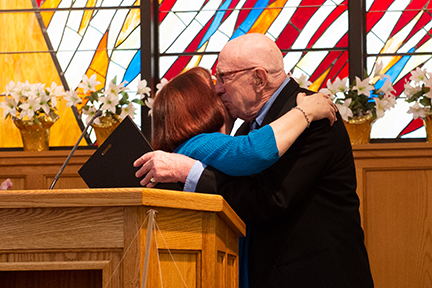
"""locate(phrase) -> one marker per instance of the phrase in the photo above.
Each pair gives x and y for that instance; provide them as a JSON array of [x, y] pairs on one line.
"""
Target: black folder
[[111, 166]]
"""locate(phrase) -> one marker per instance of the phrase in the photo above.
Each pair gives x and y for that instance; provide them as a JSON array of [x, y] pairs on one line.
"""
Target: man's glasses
[[220, 75]]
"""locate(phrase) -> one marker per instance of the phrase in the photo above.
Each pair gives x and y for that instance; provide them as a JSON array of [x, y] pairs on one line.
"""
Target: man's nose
[[220, 89]]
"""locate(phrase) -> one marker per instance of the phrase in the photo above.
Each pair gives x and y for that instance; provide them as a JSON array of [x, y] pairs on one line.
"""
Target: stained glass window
[[66, 39], [61, 42], [399, 35], [312, 34]]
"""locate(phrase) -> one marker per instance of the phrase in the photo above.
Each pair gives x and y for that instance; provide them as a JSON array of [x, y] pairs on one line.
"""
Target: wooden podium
[[98, 238]]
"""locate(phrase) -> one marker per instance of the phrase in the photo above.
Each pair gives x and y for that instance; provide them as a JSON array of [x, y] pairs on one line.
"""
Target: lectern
[[98, 238]]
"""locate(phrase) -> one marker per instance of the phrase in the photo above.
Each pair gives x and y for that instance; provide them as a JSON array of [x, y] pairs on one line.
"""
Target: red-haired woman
[[188, 116]]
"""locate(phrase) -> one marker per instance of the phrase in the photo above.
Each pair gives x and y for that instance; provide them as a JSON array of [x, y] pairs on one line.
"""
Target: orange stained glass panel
[[24, 34], [318, 82], [46, 16], [264, 21]]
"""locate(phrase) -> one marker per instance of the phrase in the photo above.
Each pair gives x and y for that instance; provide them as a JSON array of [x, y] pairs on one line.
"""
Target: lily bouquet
[[113, 101], [366, 99], [420, 93], [29, 101]]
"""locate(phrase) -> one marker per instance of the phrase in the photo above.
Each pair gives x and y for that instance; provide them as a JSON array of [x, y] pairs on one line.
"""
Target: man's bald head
[[252, 50], [251, 70]]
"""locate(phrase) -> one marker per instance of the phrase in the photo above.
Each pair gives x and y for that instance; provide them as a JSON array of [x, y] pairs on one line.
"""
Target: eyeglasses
[[220, 75]]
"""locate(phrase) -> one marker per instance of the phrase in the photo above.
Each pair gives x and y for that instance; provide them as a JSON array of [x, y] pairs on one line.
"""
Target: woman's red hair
[[185, 107]]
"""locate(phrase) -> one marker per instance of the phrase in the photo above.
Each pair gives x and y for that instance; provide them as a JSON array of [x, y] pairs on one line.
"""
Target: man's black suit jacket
[[303, 212]]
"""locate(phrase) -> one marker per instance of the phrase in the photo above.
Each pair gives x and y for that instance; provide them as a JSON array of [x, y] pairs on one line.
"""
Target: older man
[[302, 212]]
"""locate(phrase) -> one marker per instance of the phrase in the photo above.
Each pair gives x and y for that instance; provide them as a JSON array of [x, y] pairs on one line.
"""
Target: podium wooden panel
[[97, 238]]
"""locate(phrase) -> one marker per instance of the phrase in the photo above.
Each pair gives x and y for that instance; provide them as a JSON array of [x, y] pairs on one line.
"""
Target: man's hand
[[163, 167]]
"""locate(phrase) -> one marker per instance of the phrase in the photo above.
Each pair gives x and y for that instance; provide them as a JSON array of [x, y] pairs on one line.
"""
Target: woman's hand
[[317, 106]]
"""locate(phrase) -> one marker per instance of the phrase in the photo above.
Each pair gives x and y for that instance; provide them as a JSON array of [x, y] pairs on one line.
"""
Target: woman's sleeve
[[235, 156]]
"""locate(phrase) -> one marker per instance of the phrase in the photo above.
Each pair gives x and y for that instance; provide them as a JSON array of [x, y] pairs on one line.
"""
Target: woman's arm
[[235, 156], [252, 153]]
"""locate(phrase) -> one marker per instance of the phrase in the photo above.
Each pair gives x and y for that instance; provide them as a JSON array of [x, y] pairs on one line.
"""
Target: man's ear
[[260, 78]]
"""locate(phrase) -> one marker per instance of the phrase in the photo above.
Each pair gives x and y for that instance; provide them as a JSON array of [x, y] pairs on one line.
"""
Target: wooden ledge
[[121, 197]]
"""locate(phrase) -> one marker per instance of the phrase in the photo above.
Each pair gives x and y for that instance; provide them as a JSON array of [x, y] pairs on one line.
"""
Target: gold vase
[[35, 137], [428, 126], [105, 128], [359, 129]]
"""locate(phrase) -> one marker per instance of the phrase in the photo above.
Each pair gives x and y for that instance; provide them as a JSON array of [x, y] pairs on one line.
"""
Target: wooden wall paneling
[[395, 189], [36, 170]]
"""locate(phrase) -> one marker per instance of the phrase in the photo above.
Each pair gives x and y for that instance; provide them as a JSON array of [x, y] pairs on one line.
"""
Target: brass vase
[[35, 137], [428, 126], [359, 129], [107, 125]]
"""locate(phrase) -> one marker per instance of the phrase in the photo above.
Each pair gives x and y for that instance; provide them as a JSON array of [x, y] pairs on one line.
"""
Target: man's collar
[[263, 112]]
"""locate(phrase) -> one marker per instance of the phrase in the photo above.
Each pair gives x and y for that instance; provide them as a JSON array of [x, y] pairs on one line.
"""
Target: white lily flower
[[410, 90], [72, 98], [90, 113], [109, 102], [341, 85], [160, 85], [114, 90], [417, 111], [29, 108], [382, 105], [326, 91], [54, 92], [378, 68], [10, 87], [26, 87], [387, 88], [149, 103], [418, 75], [89, 84], [337, 86], [303, 81], [128, 111], [344, 109], [331, 88], [38, 89], [44, 103], [9, 106], [363, 87], [143, 89], [19, 92], [428, 84], [6, 184]]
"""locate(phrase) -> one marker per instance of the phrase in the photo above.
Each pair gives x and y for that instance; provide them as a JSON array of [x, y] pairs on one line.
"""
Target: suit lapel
[[284, 99]]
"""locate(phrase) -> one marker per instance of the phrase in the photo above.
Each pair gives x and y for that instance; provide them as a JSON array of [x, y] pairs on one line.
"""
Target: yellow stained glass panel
[[132, 21], [21, 32]]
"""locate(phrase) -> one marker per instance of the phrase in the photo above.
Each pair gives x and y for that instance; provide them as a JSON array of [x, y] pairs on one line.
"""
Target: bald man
[[302, 213]]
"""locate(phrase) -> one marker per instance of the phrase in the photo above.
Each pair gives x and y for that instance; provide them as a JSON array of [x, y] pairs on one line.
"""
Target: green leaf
[[125, 98], [94, 97], [37, 121], [114, 80], [426, 102], [140, 102]]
